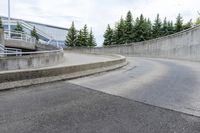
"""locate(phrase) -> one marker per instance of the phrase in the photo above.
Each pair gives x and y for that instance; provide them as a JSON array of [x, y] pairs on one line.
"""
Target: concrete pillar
[[2, 37]]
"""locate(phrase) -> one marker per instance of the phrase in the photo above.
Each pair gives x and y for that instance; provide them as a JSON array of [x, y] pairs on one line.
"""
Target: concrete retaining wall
[[80, 70], [184, 45], [43, 47], [30, 61], [50, 56], [20, 44]]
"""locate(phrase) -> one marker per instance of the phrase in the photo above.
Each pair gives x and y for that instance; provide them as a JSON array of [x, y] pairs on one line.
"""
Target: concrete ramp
[[74, 65]]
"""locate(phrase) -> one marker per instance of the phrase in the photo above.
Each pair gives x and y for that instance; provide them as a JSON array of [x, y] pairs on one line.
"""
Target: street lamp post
[[9, 18]]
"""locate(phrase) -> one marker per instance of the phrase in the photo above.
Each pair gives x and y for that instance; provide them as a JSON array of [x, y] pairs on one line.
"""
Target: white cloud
[[96, 13]]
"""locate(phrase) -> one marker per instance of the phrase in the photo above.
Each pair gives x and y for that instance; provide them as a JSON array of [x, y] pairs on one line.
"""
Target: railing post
[[21, 36]]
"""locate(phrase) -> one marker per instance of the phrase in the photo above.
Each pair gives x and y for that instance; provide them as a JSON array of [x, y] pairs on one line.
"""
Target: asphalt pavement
[[66, 108], [170, 84], [147, 96]]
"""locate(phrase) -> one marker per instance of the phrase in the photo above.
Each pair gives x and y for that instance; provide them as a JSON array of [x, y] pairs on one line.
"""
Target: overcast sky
[[96, 13]]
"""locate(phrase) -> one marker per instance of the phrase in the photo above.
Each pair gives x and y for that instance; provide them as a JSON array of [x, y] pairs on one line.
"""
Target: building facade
[[48, 34]]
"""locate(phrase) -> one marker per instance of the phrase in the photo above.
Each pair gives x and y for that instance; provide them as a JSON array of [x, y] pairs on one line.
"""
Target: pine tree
[[188, 25], [142, 29], [139, 29], [19, 28], [80, 39], [197, 21], [85, 36], [119, 36], [71, 38], [170, 28], [149, 29], [179, 23], [34, 34], [1, 24], [91, 40], [108, 36], [157, 27], [136, 29], [129, 27], [165, 28]]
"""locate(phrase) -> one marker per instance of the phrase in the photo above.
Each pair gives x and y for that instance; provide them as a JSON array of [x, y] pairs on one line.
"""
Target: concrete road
[[141, 99], [160, 82], [66, 108]]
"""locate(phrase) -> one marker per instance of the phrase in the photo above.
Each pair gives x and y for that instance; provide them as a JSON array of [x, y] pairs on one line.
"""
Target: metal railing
[[22, 36], [18, 52], [14, 35], [54, 43], [12, 51], [29, 26], [29, 53]]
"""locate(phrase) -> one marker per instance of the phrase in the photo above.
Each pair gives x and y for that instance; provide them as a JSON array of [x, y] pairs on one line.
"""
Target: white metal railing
[[6, 51], [18, 52], [14, 35], [54, 43], [29, 27], [30, 53]]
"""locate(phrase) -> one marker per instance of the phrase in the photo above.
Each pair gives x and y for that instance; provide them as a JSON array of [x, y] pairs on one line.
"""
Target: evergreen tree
[[127, 31], [136, 28], [71, 38], [19, 28], [170, 27], [85, 36], [1, 24], [179, 23], [197, 21], [108, 36], [91, 40], [188, 25], [149, 29], [129, 28], [157, 27], [119, 36], [165, 28], [142, 29], [34, 34], [80, 39]]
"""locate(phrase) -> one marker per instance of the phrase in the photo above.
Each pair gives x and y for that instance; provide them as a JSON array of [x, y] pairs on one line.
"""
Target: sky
[[97, 14]]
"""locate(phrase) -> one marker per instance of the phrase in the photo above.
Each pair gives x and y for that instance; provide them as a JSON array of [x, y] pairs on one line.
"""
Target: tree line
[[129, 30], [81, 38]]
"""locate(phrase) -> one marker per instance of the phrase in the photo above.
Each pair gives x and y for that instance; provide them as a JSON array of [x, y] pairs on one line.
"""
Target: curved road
[[148, 95], [165, 83]]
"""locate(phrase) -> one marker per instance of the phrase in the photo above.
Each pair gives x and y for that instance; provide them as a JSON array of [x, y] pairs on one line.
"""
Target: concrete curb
[[11, 80]]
